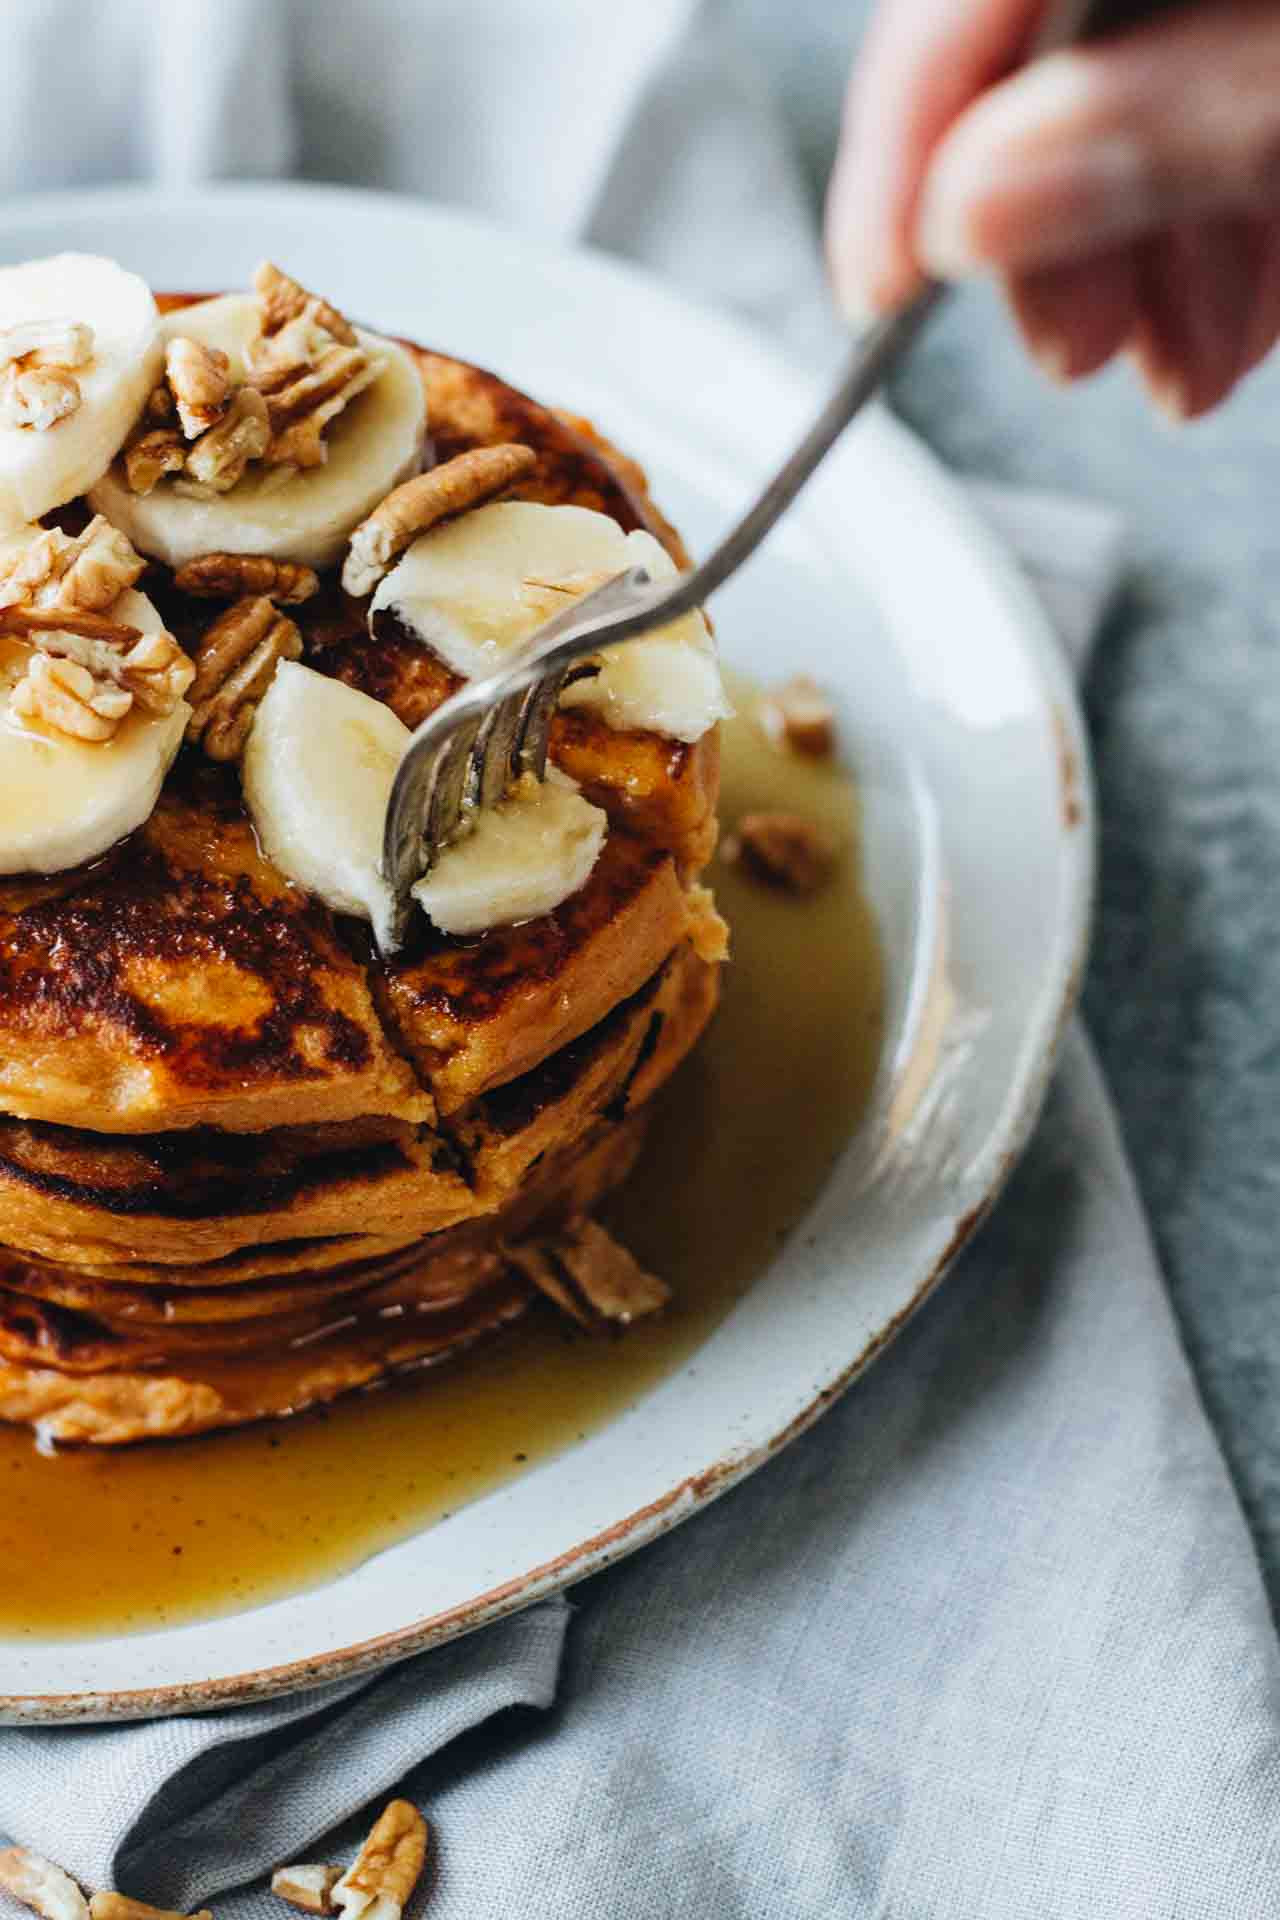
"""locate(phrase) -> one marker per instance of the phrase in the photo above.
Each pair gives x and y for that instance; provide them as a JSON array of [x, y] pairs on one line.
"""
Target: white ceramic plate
[[963, 726]]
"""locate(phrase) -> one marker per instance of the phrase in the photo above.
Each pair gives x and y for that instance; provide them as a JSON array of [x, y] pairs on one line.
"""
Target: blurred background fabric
[[1184, 699]]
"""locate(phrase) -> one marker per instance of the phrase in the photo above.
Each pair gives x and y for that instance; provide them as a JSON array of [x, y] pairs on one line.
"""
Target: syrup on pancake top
[[249, 1156]]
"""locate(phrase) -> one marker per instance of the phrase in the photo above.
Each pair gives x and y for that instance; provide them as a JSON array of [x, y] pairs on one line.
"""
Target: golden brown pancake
[[77, 1378], [230, 1208], [182, 982], [245, 1163]]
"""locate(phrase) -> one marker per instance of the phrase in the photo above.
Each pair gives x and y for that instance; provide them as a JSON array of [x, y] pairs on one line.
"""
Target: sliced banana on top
[[289, 514], [520, 860], [92, 355], [318, 771], [474, 589], [67, 801]]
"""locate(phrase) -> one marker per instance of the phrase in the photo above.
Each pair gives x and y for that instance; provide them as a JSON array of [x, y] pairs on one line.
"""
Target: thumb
[[1101, 144]]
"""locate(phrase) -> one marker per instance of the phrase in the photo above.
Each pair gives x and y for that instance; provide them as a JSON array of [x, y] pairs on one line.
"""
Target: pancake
[[181, 982], [142, 1206], [79, 1378], [246, 1163]]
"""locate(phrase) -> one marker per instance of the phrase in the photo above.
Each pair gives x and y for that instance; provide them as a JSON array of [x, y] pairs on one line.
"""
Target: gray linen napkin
[[992, 1638]]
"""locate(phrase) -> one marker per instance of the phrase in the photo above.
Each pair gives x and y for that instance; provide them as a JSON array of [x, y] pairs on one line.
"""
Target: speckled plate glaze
[[961, 720]]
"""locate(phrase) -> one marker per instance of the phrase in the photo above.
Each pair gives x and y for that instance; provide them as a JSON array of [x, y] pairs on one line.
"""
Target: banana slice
[[40, 469], [66, 801], [520, 859], [317, 771], [474, 589], [374, 444]]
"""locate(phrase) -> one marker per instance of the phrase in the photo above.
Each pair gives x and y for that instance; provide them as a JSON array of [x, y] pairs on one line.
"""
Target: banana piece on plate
[[318, 770], [79, 353], [474, 589], [287, 512], [67, 800]]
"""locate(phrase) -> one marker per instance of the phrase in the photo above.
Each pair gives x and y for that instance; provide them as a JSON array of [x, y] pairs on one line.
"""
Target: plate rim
[[1070, 946]]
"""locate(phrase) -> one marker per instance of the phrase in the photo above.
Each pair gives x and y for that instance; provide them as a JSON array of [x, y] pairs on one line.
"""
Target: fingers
[[1074, 318], [1105, 144], [1198, 291], [923, 63]]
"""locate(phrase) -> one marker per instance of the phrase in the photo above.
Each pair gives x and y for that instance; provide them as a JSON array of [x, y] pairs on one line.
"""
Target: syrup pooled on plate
[[97, 1541]]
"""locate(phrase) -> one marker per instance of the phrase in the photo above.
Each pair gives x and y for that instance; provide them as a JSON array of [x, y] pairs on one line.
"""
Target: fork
[[468, 753]]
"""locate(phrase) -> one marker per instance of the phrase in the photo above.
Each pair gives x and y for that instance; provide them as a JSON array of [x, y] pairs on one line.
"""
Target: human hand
[[1127, 192]]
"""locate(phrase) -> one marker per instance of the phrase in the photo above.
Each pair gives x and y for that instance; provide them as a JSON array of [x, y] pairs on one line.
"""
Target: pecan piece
[[118, 1906], [799, 715], [67, 697], [37, 397], [32, 622], [200, 381], [467, 480], [590, 1276], [47, 343], [785, 850], [38, 1884], [93, 570], [282, 299], [235, 663], [217, 460], [385, 1872], [147, 459], [304, 406], [308, 1886], [226, 576]]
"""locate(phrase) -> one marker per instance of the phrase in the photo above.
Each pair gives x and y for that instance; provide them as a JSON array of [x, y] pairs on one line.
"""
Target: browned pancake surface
[[182, 983]]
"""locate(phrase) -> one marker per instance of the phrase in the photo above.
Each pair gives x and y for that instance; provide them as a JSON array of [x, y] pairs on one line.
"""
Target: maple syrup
[[99, 1541]]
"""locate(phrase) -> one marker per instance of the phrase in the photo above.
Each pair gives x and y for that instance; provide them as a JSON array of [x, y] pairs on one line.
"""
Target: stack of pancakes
[[246, 1164]]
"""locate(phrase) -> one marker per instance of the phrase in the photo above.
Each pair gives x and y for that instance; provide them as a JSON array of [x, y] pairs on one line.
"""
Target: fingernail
[[1171, 400], [1054, 361]]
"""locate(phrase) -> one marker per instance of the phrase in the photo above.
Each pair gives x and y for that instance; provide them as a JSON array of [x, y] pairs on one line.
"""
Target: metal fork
[[467, 753]]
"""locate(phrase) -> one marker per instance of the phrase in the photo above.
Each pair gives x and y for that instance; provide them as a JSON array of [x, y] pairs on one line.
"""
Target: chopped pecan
[[118, 1906], [200, 381], [37, 397], [38, 1884], [154, 453], [89, 572], [226, 576], [467, 480], [708, 933], [217, 460], [799, 715], [385, 1872], [308, 363], [32, 623], [99, 566], [156, 672], [67, 697], [308, 1886], [282, 299], [235, 663], [302, 406], [785, 850], [47, 343], [590, 1276]]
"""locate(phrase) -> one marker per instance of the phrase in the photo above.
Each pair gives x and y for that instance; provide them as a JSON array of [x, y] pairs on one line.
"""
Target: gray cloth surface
[[992, 1639]]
